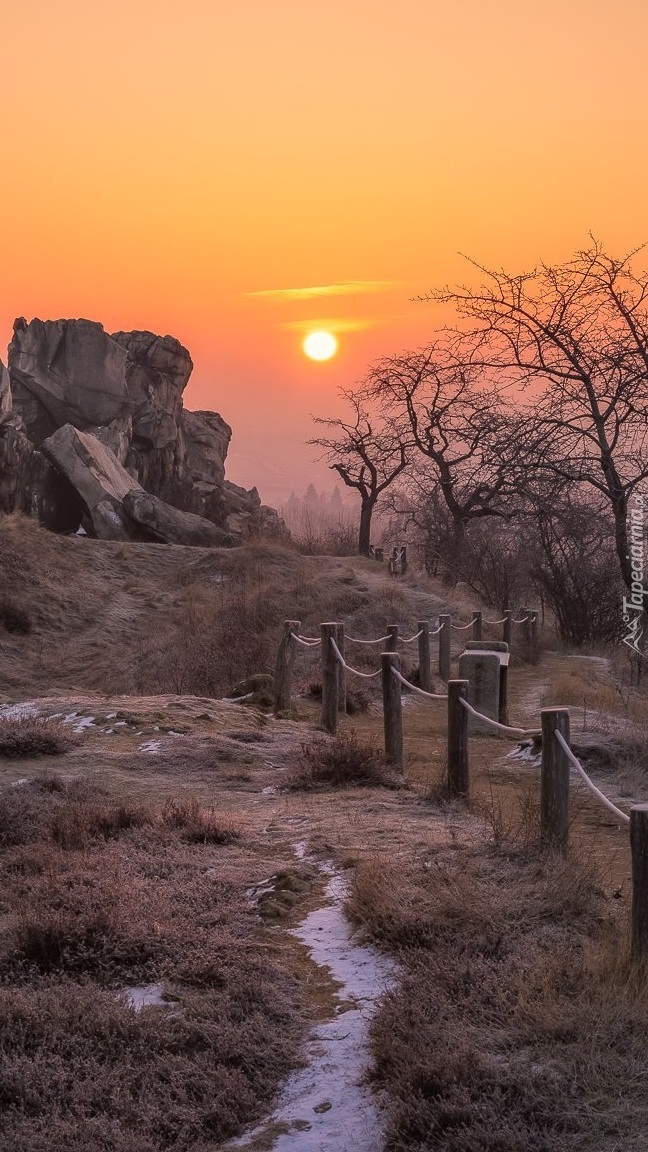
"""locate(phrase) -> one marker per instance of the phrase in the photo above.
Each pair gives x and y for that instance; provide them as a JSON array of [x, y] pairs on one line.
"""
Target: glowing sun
[[320, 345]]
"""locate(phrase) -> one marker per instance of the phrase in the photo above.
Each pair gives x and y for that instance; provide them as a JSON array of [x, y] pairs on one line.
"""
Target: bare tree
[[366, 453], [463, 437], [577, 335]]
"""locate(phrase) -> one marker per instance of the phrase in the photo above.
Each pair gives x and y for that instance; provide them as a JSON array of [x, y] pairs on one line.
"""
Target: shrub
[[14, 618], [25, 736], [343, 761], [198, 825]]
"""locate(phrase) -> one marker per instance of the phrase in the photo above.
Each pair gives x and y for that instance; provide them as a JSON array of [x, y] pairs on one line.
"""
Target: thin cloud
[[345, 288], [335, 325]]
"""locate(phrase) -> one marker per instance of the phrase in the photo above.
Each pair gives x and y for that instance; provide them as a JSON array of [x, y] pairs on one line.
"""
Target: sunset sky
[[235, 172]]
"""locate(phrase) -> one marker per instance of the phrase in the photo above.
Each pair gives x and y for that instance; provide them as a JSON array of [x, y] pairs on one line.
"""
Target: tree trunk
[[366, 512]]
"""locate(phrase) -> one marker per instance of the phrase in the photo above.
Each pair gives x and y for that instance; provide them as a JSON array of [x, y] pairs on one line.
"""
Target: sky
[[237, 172]]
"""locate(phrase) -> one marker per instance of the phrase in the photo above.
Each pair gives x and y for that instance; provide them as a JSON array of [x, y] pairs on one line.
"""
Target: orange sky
[[165, 162]]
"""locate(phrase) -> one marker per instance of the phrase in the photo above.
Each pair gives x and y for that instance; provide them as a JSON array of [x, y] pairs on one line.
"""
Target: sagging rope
[[348, 668], [414, 688], [411, 639], [522, 620], [502, 621], [462, 627], [307, 641], [506, 728], [622, 816], [380, 640], [437, 630]]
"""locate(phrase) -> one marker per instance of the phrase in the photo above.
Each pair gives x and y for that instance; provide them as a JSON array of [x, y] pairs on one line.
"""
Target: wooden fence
[[553, 733]]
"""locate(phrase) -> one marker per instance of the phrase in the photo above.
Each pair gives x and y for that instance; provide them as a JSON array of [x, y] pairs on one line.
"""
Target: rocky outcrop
[[5, 394], [87, 418], [98, 477], [170, 526], [66, 372]]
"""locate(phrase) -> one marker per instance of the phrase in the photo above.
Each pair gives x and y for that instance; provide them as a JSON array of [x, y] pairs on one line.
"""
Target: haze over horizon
[[236, 175]]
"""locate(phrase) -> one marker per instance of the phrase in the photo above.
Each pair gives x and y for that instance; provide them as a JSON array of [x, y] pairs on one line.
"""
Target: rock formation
[[93, 432]]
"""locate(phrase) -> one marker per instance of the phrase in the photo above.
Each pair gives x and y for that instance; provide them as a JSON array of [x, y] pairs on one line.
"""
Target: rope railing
[[502, 621], [354, 640], [506, 728], [415, 688], [411, 639], [522, 620], [437, 630], [573, 760], [462, 627], [307, 641], [348, 668]]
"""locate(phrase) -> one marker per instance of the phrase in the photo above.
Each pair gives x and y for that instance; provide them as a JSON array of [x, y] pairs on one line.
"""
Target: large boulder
[[123, 394], [98, 477], [157, 371], [66, 372], [5, 394], [170, 526]]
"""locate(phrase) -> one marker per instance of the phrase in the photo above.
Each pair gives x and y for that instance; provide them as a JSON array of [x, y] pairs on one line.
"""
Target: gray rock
[[98, 477], [66, 372], [169, 525], [5, 394], [157, 371], [124, 392]]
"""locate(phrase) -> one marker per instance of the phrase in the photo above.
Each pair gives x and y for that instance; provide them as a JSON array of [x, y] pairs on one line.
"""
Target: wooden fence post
[[639, 849], [458, 767], [477, 625], [284, 666], [445, 638], [507, 631], [342, 681], [330, 678], [391, 644], [392, 709], [425, 676], [554, 780]]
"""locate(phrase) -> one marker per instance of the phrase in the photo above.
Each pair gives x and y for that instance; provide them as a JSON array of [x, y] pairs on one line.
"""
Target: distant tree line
[[510, 449]]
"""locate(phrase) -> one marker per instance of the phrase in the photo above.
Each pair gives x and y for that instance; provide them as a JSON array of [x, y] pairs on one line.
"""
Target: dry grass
[[342, 761], [518, 1026], [98, 895], [25, 736]]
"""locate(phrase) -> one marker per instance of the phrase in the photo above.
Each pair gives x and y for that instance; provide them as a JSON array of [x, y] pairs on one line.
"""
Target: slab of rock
[[5, 394], [157, 371], [98, 477], [168, 525], [66, 372]]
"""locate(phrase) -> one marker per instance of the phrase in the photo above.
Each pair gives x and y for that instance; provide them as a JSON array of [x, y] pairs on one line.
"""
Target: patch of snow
[[83, 722], [270, 791], [150, 746], [301, 849], [19, 783], [145, 996], [525, 752], [18, 711], [120, 723], [110, 715], [326, 1105]]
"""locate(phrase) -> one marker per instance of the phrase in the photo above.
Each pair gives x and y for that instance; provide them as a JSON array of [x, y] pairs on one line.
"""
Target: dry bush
[[81, 1069], [197, 824], [14, 616], [25, 736], [517, 1025], [344, 761]]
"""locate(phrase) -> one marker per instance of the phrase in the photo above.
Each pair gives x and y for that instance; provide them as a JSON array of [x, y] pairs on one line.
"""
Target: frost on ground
[[326, 1107]]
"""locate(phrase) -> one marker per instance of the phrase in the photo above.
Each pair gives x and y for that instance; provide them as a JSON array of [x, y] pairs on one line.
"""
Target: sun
[[320, 345]]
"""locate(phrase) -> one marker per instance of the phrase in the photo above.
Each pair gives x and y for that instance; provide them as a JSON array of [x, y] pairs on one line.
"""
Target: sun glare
[[320, 345]]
